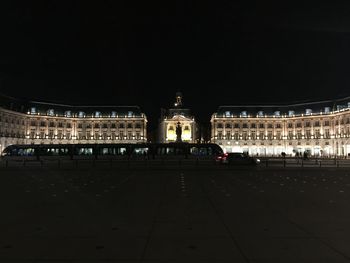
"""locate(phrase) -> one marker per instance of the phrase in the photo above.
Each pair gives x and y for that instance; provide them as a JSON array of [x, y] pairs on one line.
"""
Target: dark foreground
[[108, 214]]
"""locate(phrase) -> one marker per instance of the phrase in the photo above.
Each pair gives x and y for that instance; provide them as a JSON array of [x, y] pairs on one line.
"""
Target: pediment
[[180, 118]]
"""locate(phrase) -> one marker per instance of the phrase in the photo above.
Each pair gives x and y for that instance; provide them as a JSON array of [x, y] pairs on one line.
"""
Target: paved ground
[[193, 214]]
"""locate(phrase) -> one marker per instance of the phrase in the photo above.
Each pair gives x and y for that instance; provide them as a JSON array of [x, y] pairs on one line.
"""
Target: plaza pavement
[[109, 213]]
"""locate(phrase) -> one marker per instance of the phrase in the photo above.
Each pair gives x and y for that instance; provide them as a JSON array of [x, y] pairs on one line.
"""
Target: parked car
[[237, 159]]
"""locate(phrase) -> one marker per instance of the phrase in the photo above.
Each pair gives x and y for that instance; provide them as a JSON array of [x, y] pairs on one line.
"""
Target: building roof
[[25, 106], [296, 108]]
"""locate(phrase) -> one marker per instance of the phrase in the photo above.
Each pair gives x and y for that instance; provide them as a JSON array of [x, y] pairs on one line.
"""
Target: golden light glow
[[186, 135], [171, 136]]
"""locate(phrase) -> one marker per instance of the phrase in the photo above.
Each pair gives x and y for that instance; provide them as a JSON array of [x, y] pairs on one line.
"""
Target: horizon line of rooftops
[[278, 114], [324, 107]]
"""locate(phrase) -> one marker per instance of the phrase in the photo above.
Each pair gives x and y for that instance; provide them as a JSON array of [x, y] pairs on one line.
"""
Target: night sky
[[139, 53]]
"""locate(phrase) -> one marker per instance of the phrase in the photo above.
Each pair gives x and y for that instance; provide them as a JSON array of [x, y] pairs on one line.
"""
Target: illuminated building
[[173, 117], [318, 128], [29, 122]]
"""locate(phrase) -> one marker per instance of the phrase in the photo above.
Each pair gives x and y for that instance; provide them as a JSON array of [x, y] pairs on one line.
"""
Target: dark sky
[[141, 53]]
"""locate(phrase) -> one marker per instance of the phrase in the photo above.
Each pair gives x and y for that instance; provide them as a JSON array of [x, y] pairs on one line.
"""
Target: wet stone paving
[[241, 214]]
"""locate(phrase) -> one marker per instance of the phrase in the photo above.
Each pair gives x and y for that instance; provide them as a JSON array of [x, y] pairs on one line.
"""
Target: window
[[326, 123], [269, 135], [307, 124], [290, 125], [261, 136], [84, 151], [290, 135], [244, 135], [308, 134], [270, 126], [51, 135], [97, 126], [317, 124], [121, 135], [317, 134], [327, 133], [51, 112], [138, 136], [253, 135], [299, 135], [138, 125], [219, 126], [113, 126], [228, 136], [121, 125], [33, 123], [228, 126], [298, 124], [278, 135], [261, 125], [236, 125], [129, 125], [129, 135], [253, 126], [32, 134], [60, 124], [219, 135], [245, 125], [42, 124], [278, 125], [105, 126], [52, 124], [236, 136], [69, 125], [80, 126]]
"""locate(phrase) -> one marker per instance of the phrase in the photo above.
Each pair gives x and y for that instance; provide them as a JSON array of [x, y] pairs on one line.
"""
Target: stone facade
[[37, 123], [318, 128], [173, 117]]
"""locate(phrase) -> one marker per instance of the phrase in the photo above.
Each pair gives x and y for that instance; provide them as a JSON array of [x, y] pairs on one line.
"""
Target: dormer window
[[308, 111], [243, 114], [51, 112], [68, 114]]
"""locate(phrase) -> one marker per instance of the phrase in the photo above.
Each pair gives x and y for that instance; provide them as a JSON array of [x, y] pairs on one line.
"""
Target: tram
[[112, 151]]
